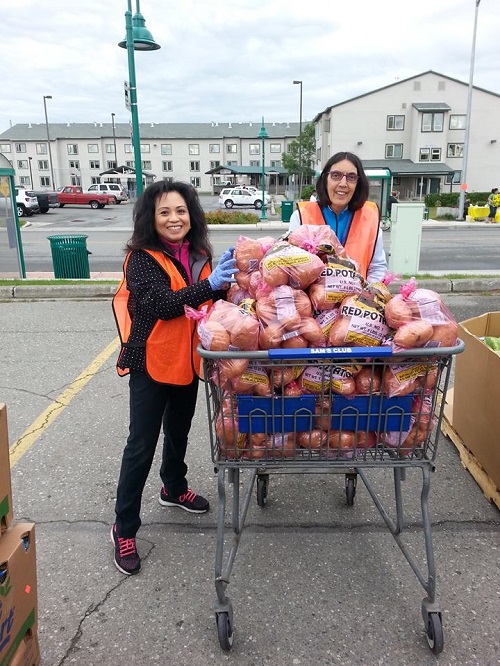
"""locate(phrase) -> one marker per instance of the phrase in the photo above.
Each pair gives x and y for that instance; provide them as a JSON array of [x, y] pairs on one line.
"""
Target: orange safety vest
[[362, 235], [171, 356]]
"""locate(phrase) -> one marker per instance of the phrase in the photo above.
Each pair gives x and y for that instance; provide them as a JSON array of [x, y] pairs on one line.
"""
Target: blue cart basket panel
[[258, 414], [371, 412]]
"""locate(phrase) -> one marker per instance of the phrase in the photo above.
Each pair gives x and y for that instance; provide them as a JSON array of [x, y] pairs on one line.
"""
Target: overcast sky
[[232, 61]]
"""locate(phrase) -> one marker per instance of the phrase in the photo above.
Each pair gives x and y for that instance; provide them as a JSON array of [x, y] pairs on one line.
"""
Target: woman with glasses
[[342, 203]]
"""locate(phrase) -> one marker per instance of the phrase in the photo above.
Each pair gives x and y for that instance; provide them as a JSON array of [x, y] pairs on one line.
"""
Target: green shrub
[[450, 199], [230, 217], [306, 192]]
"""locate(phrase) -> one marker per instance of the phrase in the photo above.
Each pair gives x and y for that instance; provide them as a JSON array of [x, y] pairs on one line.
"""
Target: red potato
[[292, 390], [295, 341], [414, 334], [444, 335], [312, 332], [337, 336], [323, 415], [244, 333], [213, 336], [368, 381], [286, 264], [392, 386], [398, 312], [312, 440], [248, 252], [270, 337], [232, 368]]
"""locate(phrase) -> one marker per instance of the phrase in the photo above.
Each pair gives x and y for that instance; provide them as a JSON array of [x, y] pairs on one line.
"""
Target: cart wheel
[[350, 490], [224, 631], [262, 484], [435, 636]]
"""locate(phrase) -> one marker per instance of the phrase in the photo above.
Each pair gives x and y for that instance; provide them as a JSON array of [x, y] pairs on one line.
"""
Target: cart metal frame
[[230, 462]]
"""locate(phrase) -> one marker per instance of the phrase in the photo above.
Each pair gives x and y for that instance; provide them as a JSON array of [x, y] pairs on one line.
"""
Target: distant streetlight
[[300, 138], [114, 136], [263, 135], [45, 98], [137, 37], [463, 179], [31, 173]]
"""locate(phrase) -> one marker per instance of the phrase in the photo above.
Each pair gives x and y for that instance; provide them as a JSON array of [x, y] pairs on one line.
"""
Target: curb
[[84, 291]]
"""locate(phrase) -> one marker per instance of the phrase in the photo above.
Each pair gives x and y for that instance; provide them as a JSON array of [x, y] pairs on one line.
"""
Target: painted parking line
[[38, 427]]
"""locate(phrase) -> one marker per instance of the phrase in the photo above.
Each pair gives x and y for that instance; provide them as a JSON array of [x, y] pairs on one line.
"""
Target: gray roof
[[159, 131], [409, 168], [431, 106], [249, 170], [397, 83]]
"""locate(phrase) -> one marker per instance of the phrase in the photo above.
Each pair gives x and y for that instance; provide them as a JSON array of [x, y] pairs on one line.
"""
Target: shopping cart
[[301, 422]]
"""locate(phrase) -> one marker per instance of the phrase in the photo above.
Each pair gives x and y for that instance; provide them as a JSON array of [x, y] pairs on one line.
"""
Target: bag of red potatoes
[[420, 319]]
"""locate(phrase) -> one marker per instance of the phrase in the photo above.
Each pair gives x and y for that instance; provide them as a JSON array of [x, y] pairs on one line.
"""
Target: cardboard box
[[5, 486], [476, 393], [18, 592], [28, 652]]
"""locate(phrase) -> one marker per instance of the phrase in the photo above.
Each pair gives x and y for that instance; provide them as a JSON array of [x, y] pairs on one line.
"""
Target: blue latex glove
[[224, 271]]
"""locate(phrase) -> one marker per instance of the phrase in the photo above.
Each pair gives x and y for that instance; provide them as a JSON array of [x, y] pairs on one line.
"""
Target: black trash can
[[70, 256], [286, 210]]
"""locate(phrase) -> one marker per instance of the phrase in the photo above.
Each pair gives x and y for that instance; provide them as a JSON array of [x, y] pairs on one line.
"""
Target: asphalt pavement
[[314, 581]]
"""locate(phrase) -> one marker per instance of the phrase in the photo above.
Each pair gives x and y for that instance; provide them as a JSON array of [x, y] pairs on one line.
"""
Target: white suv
[[241, 196], [113, 189], [27, 202]]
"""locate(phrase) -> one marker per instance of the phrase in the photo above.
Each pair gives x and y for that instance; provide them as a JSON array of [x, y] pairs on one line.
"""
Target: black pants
[[152, 404]]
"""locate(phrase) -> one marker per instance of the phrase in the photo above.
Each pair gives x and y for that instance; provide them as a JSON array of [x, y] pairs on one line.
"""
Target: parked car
[[114, 189], [241, 196], [27, 202]]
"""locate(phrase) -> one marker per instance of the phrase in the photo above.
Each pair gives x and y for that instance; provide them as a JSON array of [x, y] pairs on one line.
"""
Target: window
[[275, 148], [167, 165], [129, 148], [94, 164], [146, 164], [74, 164], [254, 149], [396, 180], [145, 148], [214, 165], [43, 165], [44, 181], [232, 163], [195, 182], [458, 122], [432, 122], [232, 148], [41, 148], [22, 164], [75, 180], [25, 180], [455, 150], [326, 124], [255, 163], [94, 180], [168, 179], [194, 148], [454, 177], [111, 164], [276, 163], [395, 122], [130, 163], [72, 149], [166, 149], [214, 147], [4, 147], [109, 148], [429, 155], [92, 147], [393, 150], [194, 166], [20, 147]]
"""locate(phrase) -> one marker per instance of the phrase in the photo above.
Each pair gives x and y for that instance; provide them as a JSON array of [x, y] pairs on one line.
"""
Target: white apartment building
[[414, 127]]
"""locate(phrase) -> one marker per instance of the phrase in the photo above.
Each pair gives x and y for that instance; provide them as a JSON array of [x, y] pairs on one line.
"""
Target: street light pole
[[137, 37], [463, 179], [31, 173], [45, 98], [114, 136], [263, 135], [300, 138]]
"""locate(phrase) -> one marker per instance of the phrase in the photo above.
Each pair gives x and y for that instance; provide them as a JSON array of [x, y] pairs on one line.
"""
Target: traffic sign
[[126, 87]]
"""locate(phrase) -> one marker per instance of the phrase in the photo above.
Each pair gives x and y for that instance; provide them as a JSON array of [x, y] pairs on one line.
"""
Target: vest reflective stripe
[[171, 356], [362, 235]]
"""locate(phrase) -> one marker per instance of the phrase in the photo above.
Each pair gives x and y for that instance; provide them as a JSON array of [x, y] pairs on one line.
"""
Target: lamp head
[[141, 37], [263, 132], [47, 97], [298, 82]]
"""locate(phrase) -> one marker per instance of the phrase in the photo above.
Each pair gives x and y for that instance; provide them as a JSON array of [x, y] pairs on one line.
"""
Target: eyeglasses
[[338, 175]]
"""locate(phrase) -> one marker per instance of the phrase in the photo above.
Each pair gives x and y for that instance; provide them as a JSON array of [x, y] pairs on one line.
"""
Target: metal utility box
[[406, 234]]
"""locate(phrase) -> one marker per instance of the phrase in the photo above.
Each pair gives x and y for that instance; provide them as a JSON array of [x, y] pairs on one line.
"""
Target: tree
[[308, 150]]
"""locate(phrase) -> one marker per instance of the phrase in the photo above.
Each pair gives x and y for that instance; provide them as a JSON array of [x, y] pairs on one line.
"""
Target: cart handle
[[329, 352]]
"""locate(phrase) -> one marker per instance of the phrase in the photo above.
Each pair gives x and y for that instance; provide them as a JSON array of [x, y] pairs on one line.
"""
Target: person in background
[[391, 200], [342, 191], [313, 196], [168, 266], [492, 204]]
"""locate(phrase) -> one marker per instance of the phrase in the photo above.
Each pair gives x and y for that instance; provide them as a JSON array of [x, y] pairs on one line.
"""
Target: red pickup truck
[[74, 194]]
